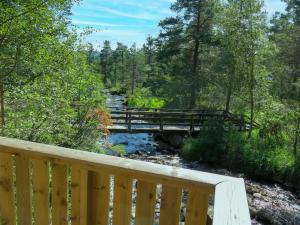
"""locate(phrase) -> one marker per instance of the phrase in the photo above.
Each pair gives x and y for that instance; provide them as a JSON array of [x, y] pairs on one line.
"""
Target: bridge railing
[[164, 109], [164, 120], [59, 186]]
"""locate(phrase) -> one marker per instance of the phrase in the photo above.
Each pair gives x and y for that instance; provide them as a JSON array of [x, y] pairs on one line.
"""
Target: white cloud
[[140, 15], [93, 23], [152, 9]]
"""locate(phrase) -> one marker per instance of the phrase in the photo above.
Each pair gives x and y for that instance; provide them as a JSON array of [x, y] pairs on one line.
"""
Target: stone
[[209, 220], [257, 195], [265, 215], [297, 219], [253, 212]]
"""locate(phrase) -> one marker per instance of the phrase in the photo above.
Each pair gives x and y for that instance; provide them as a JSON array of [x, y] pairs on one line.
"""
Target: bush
[[119, 150], [209, 146], [117, 89], [142, 98], [261, 156]]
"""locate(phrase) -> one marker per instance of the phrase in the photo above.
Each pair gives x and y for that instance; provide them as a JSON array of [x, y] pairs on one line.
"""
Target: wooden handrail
[[88, 174]]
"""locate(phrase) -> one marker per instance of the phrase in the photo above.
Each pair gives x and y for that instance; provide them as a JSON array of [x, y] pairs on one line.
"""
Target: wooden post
[[161, 122], [23, 189], [129, 122], [7, 208], [192, 127], [122, 204], [126, 120]]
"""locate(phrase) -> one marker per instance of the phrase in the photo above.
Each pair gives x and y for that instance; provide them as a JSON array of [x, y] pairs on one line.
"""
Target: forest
[[210, 55]]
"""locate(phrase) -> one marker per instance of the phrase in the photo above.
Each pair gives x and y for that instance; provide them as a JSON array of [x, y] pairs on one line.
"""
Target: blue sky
[[129, 21]]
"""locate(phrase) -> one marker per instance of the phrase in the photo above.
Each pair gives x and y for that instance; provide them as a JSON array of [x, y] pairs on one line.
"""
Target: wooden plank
[[231, 206], [7, 208], [98, 198], [122, 200], [145, 203], [114, 165], [40, 182], [196, 209], [170, 205], [59, 195], [79, 196], [23, 189]]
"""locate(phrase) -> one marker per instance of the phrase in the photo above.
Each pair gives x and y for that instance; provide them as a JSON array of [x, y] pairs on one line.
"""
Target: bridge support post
[[129, 121], [192, 127], [161, 123], [126, 120]]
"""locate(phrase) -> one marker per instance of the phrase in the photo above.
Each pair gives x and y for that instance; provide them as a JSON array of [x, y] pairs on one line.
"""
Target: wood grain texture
[[231, 206], [122, 200], [170, 205], [23, 189], [59, 195], [79, 196], [145, 171], [145, 203], [196, 209], [7, 208], [98, 198], [40, 182]]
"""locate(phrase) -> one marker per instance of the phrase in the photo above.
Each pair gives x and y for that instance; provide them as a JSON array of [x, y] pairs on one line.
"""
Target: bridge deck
[[132, 121]]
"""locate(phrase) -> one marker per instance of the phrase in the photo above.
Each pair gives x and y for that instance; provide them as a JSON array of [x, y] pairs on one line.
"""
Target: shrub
[[209, 146], [119, 150], [261, 156], [142, 98]]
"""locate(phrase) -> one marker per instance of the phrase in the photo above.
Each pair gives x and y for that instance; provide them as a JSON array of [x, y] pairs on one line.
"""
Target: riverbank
[[269, 203]]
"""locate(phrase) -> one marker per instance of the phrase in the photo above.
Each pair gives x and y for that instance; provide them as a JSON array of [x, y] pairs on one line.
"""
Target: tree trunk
[[122, 77], [297, 137], [252, 80], [2, 107], [133, 77], [115, 74], [105, 74], [195, 62], [229, 91]]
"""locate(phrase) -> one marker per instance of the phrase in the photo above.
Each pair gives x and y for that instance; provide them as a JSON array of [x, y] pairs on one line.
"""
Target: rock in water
[[297, 220]]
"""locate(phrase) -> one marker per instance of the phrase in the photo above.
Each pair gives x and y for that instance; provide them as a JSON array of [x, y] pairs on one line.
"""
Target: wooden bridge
[[42, 184], [147, 120]]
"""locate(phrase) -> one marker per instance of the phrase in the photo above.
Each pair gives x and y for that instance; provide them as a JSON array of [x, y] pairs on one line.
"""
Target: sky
[[130, 21]]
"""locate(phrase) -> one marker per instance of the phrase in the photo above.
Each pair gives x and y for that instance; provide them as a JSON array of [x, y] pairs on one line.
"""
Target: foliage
[[209, 147], [57, 108], [48, 88], [263, 155], [119, 150], [142, 99]]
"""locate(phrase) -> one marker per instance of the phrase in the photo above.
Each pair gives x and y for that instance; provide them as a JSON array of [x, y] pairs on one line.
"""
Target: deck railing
[[52, 185]]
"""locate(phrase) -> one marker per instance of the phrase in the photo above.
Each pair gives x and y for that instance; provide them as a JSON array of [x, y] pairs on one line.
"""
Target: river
[[269, 203]]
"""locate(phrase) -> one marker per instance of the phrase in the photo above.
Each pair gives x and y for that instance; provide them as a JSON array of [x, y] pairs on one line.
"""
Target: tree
[[185, 36], [105, 57], [133, 52], [285, 34], [26, 30]]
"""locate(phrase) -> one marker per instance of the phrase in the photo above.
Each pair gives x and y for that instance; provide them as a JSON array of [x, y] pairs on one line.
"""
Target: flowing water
[[132, 142]]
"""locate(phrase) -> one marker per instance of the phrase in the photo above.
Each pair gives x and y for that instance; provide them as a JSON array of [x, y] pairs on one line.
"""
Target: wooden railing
[[131, 120], [52, 185]]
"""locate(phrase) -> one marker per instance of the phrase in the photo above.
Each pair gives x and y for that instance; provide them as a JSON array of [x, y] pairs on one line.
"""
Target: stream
[[269, 204]]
